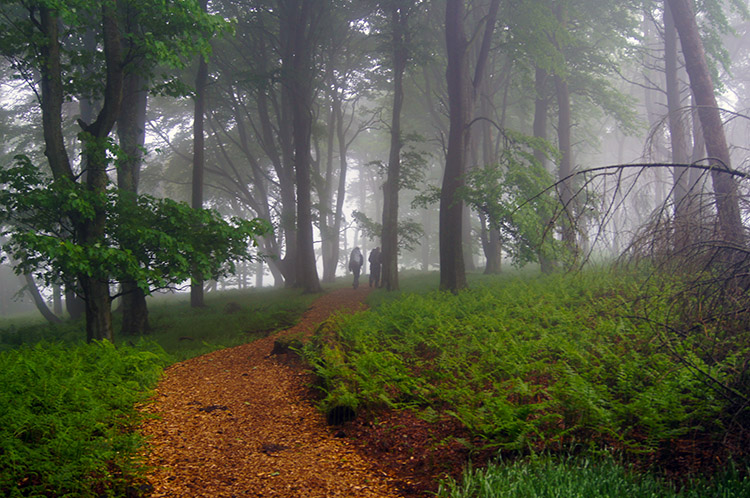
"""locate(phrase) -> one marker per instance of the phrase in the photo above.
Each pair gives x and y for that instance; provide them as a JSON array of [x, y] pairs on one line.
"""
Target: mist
[[485, 132]]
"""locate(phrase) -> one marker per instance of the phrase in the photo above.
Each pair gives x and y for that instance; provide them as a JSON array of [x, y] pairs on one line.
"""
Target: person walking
[[356, 260], [375, 260]]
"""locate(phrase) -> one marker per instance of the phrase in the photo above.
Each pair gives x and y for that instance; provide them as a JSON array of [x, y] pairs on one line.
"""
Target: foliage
[[409, 232], [414, 161], [160, 34], [545, 477], [523, 363], [512, 194], [68, 417], [156, 242]]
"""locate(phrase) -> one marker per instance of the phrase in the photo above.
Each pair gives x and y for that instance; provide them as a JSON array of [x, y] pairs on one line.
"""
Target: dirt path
[[237, 422]]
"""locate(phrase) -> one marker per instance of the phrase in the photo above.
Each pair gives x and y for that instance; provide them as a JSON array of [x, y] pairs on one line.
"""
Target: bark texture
[[452, 270], [677, 130], [725, 188], [201, 80], [462, 92], [299, 75], [389, 236], [131, 130]]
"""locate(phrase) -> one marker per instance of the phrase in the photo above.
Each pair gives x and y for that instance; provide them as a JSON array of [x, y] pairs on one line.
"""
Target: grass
[[548, 477], [67, 417], [227, 319], [527, 363]]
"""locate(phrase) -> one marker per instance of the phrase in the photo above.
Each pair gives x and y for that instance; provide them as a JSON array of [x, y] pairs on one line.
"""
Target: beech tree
[[44, 38], [462, 88], [300, 30], [346, 59], [131, 130], [701, 85], [201, 80], [399, 14], [146, 241]]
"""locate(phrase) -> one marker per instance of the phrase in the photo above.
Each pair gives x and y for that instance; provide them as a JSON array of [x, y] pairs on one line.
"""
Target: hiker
[[355, 264], [375, 260]]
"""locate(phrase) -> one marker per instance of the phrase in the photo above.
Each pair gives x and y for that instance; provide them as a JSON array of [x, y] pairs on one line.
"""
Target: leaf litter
[[243, 422]]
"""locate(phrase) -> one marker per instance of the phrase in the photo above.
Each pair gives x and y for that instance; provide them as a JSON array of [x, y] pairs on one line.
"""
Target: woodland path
[[240, 422]]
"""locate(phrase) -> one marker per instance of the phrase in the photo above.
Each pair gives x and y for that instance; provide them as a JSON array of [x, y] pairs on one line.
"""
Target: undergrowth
[[68, 415], [68, 426], [524, 363]]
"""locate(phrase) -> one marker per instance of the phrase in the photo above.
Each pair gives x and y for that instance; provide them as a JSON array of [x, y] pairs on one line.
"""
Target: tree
[[252, 155], [146, 241], [201, 79], [346, 59], [399, 13], [52, 48], [131, 130], [725, 189], [300, 25], [461, 91], [510, 194]]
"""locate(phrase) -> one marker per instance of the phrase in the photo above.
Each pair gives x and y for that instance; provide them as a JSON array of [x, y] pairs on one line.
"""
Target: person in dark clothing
[[375, 260], [356, 260]]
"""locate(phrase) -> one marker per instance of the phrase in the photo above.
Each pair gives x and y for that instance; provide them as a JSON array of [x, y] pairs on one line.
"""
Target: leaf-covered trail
[[237, 422]]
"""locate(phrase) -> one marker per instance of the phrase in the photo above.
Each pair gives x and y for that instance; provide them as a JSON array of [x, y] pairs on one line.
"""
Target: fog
[[501, 127]]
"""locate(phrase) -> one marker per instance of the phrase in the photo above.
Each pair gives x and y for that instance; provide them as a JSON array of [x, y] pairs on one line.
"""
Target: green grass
[[547, 477], [228, 319], [67, 422]]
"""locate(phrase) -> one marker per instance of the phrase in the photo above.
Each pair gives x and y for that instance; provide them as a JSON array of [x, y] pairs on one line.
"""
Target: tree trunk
[[39, 302], [677, 131], [131, 129], [57, 300], [52, 97], [96, 288], [328, 235], [491, 240], [541, 107], [343, 167], [494, 253], [461, 94], [74, 305], [565, 168], [725, 189], [452, 271], [282, 159], [98, 309], [300, 79], [89, 232], [286, 173], [389, 236], [199, 160]]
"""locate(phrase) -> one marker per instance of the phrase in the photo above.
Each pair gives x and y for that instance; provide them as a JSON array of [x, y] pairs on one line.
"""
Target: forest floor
[[242, 422]]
